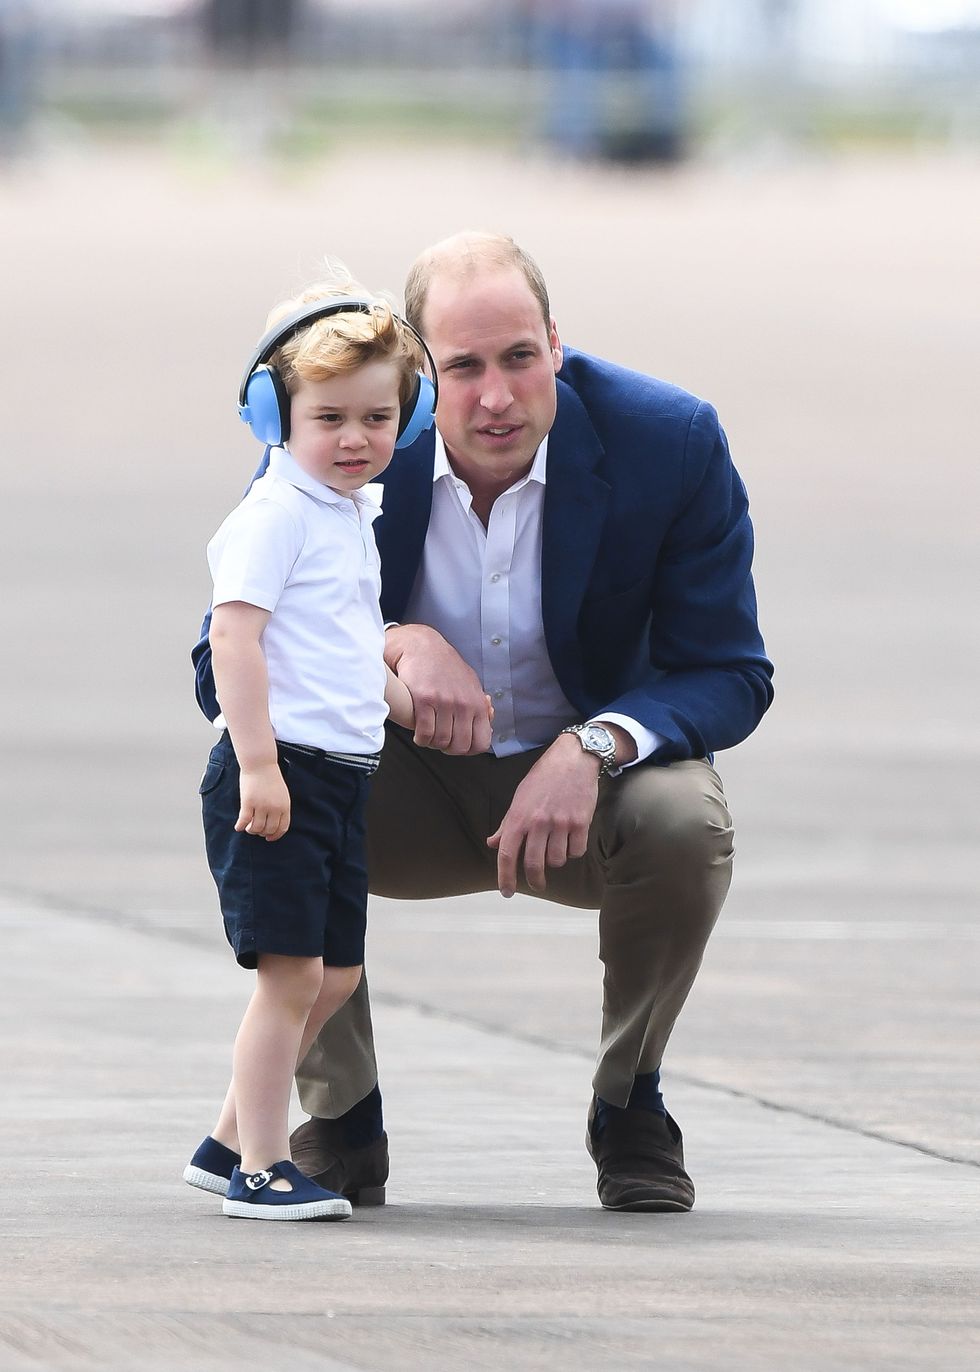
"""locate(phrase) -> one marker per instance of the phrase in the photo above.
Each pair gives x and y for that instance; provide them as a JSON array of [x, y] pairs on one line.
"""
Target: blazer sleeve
[[204, 692], [709, 680]]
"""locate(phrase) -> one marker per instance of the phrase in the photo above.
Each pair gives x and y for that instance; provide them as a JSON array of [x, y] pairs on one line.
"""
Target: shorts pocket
[[213, 773]]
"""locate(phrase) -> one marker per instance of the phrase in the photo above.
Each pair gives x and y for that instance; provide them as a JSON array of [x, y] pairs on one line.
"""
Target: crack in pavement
[[395, 1000]]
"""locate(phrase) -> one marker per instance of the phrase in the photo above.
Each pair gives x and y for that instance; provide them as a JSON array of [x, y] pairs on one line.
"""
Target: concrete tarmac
[[824, 1071]]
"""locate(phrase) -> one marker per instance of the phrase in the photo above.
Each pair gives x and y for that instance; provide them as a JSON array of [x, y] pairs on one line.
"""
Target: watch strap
[[607, 757]]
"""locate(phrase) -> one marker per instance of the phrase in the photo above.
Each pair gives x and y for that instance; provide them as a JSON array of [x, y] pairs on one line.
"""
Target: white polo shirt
[[307, 554]]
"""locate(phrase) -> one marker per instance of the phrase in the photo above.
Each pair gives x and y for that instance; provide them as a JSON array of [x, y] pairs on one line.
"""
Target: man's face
[[496, 362]]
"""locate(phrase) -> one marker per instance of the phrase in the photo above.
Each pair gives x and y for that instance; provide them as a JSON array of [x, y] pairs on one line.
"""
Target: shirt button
[[496, 640], [495, 576], [503, 737], [498, 695]]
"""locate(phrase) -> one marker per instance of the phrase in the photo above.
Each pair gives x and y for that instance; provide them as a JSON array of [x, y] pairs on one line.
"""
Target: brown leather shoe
[[640, 1158], [321, 1153]]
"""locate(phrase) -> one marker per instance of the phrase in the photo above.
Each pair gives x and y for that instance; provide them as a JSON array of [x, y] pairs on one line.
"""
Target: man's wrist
[[625, 743], [396, 641], [565, 740], [593, 737], [405, 634], [613, 746]]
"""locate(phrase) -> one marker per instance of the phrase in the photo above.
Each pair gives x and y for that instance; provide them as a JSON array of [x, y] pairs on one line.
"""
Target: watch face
[[597, 737]]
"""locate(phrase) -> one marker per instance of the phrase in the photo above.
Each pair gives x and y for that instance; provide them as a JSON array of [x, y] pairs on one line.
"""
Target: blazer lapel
[[400, 530], [575, 505]]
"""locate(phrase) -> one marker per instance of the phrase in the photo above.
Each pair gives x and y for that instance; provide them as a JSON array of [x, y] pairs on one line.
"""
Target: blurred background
[[626, 80], [773, 203]]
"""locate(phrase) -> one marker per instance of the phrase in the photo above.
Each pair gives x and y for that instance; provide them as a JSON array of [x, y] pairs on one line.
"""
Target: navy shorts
[[305, 895]]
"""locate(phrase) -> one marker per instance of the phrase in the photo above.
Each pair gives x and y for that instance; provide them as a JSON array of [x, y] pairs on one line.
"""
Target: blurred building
[[19, 52], [624, 79], [248, 32], [612, 86]]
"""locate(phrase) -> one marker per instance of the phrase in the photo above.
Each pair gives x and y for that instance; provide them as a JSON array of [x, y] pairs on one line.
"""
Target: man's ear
[[557, 355]]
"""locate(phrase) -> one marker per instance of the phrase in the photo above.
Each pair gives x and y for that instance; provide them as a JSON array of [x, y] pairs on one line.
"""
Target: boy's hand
[[265, 803]]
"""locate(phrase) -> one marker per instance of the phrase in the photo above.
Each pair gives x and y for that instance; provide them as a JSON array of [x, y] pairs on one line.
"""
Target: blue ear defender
[[263, 401], [417, 415], [266, 406]]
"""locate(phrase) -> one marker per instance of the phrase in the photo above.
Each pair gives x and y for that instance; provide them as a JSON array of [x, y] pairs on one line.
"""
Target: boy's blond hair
[[341, 343]]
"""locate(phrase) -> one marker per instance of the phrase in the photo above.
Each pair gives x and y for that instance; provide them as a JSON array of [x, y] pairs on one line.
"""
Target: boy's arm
[[242, 684], [398, 698]]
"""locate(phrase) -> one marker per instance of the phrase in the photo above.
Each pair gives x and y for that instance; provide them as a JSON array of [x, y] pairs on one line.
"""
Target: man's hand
[[451, 713], [549, 816], [264, 803]]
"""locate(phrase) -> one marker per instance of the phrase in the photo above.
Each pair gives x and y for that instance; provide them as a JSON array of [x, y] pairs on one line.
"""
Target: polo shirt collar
[[283, 465]]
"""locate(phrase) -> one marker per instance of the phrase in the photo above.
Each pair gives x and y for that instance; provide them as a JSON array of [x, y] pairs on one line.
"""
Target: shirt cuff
[[645, 739]]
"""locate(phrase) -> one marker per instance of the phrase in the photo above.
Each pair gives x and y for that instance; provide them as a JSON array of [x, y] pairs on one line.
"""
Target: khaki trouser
[[658, 868]]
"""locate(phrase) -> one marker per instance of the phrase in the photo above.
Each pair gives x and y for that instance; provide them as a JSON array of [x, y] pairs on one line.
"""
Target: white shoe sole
[[308, 1210], [206, 1181]]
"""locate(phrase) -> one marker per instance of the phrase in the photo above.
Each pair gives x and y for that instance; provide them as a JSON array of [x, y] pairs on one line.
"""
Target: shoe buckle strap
[[257, 1180]]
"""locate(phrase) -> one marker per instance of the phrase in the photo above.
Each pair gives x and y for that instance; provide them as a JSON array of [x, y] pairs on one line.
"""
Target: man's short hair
[[462, 254]]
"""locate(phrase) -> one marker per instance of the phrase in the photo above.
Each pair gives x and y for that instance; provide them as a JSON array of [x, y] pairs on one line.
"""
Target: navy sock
[[645, 1095], [363, 1122]]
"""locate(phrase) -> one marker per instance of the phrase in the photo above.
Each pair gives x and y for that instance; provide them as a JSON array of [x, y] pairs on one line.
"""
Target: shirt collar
[[283, 465], [537, 473]]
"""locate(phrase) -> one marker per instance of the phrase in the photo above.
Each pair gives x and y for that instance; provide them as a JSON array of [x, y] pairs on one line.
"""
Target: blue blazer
[[646, 586]]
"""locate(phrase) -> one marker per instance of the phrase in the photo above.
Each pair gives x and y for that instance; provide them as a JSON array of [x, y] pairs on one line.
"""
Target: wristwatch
[[596, 739]]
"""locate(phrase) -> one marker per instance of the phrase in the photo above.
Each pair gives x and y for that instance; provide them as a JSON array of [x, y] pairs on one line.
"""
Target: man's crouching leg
[[664, 843], [343, 1147]]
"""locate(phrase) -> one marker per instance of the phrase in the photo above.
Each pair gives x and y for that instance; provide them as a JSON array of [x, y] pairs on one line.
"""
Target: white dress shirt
[[304, 552], [481, 589]]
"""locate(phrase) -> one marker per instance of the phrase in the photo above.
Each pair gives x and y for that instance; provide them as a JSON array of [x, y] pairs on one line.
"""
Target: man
[[573, 541]]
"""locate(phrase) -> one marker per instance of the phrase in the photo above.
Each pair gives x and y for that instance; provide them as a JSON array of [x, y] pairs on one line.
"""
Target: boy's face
[[342, 431]]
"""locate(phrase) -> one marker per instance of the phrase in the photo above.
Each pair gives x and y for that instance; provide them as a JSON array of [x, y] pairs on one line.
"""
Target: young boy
[[297, 643]]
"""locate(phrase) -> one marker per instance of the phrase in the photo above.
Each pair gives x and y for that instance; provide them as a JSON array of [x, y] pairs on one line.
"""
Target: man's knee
[[676, 814]]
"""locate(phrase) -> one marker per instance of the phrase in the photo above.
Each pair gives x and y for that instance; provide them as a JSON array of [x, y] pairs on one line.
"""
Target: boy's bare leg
[[293, 999], [226, 1130]]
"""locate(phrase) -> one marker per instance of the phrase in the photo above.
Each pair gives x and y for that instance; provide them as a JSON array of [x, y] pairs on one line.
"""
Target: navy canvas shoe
[[250, 1196], [211, 1167]]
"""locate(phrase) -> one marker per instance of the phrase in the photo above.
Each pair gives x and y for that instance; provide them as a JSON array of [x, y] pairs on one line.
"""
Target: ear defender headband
[[263, 401]]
